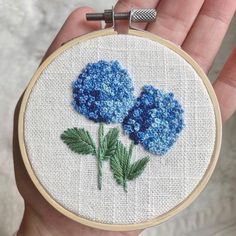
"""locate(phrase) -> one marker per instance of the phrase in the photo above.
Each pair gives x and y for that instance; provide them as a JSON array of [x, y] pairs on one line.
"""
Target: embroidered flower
[[155, 121], [104, 92]]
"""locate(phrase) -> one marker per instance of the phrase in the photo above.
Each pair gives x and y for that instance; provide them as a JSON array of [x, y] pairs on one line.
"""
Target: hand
[[198, 26]]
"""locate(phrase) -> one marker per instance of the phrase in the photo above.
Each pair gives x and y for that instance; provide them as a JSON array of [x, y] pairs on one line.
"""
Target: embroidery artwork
[[117, 169], [104, 94]]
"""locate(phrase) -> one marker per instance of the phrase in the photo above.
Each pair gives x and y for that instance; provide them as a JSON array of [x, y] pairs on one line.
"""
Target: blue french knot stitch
[[155, 121], [103, 92]]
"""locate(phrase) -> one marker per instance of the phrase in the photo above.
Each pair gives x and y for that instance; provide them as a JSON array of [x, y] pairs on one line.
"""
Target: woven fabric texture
[[71, 179]]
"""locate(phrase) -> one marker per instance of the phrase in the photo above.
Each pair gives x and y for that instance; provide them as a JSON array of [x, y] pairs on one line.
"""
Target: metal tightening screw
[[135, 15]]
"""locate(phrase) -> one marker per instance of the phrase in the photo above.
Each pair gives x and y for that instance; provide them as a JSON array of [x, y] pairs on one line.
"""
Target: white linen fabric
[[71, 179]]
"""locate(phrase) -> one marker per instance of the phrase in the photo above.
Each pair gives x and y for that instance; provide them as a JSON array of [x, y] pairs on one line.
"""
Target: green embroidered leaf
[[137, 168], [121, 167], [79, 141], [109, 143], [120, 164]]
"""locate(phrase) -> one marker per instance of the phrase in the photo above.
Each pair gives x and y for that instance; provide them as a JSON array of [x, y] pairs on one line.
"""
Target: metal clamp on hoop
[[135, 15]]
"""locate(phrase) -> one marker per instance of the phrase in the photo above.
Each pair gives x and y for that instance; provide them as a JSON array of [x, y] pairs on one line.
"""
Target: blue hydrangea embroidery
[[155, 121], [104, 92]]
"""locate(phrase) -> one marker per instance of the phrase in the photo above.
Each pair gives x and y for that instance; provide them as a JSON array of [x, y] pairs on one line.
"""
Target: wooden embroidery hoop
[[116, 227]]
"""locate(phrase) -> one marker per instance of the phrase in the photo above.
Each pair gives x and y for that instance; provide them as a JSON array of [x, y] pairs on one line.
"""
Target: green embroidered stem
[[99, 172], [125, 186], [100, 134], [99, 154]]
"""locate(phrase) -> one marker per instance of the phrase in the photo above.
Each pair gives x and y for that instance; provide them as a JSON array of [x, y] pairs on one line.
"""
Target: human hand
[[198, 26]]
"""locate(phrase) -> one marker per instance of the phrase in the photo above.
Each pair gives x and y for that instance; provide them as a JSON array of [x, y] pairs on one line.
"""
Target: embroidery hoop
[[118, 227]]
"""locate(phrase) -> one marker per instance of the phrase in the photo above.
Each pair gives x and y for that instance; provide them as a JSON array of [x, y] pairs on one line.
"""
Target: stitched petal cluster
[[104, 92], [155, 121]]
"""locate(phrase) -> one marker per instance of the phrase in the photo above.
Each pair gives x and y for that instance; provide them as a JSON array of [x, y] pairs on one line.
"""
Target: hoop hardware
[[135, 15]]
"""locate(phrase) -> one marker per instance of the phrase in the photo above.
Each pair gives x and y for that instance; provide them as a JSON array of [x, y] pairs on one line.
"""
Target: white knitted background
[[72, 179]]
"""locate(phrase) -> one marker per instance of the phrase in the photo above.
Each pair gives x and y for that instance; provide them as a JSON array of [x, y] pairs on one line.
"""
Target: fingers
[[75, 25], [126, 5], [208, 31], [175, 18], [225, 88], [19, 168]]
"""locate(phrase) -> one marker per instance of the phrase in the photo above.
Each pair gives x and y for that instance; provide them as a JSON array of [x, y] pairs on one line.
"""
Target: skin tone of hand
[[198, 26]]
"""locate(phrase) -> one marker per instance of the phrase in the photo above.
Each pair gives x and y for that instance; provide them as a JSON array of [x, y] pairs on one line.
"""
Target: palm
[[198, 26]]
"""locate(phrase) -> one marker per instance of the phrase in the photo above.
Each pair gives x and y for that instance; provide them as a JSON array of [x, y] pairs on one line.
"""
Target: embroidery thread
[[122, 168], [104, 93], [81, 142], [155, 121], [109, 148]]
